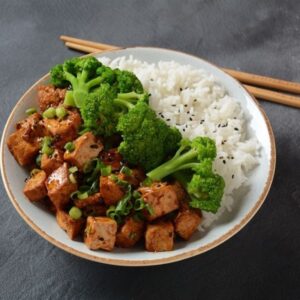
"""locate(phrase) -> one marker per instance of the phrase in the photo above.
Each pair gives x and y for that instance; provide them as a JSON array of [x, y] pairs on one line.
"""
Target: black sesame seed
[[191, 119], [195, 100], [219, 125], [162, 116], [224, 161], [185, 105], [183, 129], [221, 157], [180, 89], [152, 79], [232, 176], [214, 131], [173, 105], [168, 119], [188, 112], [235, 128]]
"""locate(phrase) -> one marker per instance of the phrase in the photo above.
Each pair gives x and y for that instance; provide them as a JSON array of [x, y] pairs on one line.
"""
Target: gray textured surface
[[263, 260]]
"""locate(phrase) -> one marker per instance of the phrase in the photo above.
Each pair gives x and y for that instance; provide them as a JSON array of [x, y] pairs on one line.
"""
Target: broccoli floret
[[81, 74], [99, 113], [147, 140], [127, 82], [188, 156], [192, 167]]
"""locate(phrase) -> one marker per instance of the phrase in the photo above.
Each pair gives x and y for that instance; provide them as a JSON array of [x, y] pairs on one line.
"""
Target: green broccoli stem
[[173, 165], [123, 103]]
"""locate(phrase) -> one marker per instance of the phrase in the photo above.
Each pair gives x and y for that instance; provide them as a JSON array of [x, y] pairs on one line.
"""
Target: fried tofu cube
[[187, 222], [64, 130], [48, 95], [23, 151], [162, 198], [60, 187], [50, 163], [135, 178], [71, 226], [86, 148], [90, 200], [130, 233], [100, 233], [35, 188], [159, 237], [110, 191]]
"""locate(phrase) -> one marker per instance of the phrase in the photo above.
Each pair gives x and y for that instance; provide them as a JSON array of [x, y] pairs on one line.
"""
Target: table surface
[[260, 262]]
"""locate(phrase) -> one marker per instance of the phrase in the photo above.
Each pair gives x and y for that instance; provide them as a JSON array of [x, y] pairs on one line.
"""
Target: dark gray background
[[263, 260]]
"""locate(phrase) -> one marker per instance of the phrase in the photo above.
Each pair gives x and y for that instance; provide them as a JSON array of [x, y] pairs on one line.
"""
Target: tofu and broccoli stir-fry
[[111, 170]]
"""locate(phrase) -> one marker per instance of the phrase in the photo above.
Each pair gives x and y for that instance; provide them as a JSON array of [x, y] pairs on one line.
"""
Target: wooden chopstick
[[272, 96], [285, 99], [273, 83]]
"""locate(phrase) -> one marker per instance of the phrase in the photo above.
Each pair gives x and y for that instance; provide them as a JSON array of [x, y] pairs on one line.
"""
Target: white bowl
[[229, 224]]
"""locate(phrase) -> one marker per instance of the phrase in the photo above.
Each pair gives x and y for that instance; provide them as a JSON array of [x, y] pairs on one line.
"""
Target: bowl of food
[[138, 156]]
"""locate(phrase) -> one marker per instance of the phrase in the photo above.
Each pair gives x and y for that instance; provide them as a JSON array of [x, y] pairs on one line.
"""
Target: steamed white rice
[[193, 101]]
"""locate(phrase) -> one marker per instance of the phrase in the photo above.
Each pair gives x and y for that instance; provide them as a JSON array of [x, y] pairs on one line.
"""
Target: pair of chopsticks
[[249, 81]]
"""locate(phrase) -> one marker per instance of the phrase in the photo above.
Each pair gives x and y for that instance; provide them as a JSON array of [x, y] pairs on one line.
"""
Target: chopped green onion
[[73, 169], [114, 177], [61, 112], [72, 178], [147, 182], [149, 209], [125, 170], [139, 204], [69, 146], [38, 160], [46, 145], [49, 113], [34, 172], [82, 196], [105, 171], [75, 213], [136, 195], [30, 111]]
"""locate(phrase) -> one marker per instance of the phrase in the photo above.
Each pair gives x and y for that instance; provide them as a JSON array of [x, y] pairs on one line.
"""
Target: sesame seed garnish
[[224, 161], [173, 105], [180, 89], [221, 157], [188, 112], [195, 100], [235, 128], [219, 125], [191, 119], [168, 119], [232, 176], [162, 116], [183, 129], [185, 105]]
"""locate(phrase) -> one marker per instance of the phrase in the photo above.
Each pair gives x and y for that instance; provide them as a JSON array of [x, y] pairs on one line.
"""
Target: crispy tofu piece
[[136, 177], [95, 210], [90, 200], [87, 147], [23, 151], [100, 233], [64, 130], [52, 162], [48, 95], [35, 188], [130, 233], [71, 226], [112, 158], [159, 237], [187, 221], [110, 191], [163, 198], [60, 187], [32, 127]]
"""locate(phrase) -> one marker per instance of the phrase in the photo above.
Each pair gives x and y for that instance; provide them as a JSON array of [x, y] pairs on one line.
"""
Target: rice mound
[[193, 101]]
